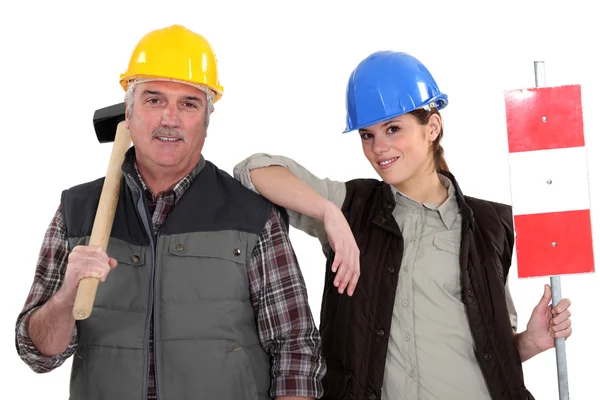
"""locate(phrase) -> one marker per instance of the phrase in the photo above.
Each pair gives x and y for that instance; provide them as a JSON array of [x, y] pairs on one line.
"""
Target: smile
[[386, 163], [167, 139]]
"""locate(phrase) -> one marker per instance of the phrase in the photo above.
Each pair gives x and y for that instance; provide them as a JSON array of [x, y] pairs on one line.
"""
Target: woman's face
[[399, 149]]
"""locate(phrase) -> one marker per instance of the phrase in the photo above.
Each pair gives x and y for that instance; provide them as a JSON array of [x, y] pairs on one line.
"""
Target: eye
[[365, 136], [189, 104], [153, 101], [393, 129]]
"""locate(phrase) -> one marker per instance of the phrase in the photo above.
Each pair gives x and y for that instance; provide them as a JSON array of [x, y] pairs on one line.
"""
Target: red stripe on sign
[[570, 231], [544, 118]]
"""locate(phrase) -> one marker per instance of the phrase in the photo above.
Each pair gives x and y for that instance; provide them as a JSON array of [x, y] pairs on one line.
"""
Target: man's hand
[[546, 324], [83, 262], [346, 263]]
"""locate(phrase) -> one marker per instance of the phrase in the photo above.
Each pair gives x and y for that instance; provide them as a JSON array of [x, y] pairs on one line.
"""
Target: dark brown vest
[[355, 330]]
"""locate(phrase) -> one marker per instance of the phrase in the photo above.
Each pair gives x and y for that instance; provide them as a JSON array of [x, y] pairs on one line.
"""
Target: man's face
[[168, 125]]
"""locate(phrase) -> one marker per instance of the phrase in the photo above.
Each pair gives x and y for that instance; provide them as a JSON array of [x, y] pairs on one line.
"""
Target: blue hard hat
[[387, 84]]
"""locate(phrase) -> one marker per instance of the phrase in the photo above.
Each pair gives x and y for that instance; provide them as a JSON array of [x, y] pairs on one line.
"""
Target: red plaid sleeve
[[48, 278], [285, 323]]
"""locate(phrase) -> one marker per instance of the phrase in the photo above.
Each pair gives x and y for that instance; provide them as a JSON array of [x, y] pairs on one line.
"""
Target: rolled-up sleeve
[[49, 275], [334, 191], [285, 323]]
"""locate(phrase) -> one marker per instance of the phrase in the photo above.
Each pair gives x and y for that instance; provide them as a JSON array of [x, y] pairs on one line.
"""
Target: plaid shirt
[[285, 325]]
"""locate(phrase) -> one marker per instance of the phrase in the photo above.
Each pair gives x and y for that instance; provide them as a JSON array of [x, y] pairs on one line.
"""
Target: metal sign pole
[[559, 343]]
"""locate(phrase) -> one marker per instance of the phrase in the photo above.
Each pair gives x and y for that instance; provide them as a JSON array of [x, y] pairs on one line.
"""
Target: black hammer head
[[106, 120]]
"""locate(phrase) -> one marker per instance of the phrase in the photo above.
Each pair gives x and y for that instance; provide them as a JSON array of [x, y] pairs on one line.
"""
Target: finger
[[95, 249], [561, 327], [336, 262], [78, 248], [96, 252], [562, 334], [353, 283], [92, 267], [346, 280], [561, 306], [112, 263], [560, 318], [545, 300], [87, 258], [95, 272], [343, 278], [339, 275]]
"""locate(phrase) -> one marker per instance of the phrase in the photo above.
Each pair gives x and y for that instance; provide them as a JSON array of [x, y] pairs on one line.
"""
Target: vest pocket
[[242, 384], [260, 366], [100, 373], [201, 266], [220, 246], [207, 369]]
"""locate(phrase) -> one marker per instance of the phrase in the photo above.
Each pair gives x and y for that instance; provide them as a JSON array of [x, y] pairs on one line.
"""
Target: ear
[[126, 116], [434, 127]]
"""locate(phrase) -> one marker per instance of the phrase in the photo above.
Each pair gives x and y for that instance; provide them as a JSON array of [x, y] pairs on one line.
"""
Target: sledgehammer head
[[106, 120]]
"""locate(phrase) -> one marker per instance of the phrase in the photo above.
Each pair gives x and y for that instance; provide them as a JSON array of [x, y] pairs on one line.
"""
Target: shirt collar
[[447, 211], [180, 187]]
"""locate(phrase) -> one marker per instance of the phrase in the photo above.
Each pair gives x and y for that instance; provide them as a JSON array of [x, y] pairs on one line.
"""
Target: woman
[[430, 317]]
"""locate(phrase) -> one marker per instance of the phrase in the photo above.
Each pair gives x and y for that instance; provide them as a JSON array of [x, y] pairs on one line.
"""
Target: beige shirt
[[430, 352]]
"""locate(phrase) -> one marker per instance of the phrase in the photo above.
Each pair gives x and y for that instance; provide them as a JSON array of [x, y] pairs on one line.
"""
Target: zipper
[[142, 211]]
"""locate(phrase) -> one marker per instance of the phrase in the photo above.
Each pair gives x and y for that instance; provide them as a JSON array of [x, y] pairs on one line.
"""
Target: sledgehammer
[[110, 127]]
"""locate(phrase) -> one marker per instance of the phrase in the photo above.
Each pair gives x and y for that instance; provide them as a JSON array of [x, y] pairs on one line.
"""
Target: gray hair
[[130, 95]]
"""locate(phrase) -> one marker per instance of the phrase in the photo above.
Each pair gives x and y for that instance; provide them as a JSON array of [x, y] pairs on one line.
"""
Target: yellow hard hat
[[175, 53]]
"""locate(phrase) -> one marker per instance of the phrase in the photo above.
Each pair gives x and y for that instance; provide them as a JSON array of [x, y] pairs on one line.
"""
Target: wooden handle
[[105, 214]]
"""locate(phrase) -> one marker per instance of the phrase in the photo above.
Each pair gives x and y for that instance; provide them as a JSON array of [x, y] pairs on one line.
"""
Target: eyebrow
[[391, 122], [193, 98], [152, 92], [364, 130], [157, 93]]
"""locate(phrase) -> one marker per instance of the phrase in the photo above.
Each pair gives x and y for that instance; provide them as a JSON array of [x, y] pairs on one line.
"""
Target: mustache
[[169, 132]]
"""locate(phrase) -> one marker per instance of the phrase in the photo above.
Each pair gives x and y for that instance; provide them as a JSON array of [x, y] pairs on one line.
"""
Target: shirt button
[[405, 269], [412, 239], [135, 258], [237, 252], [407, 338], [179, 247], [380, 332], [391, 270], [371, 396], [487, 356], [405, 303], [411, 373], [469, 293]]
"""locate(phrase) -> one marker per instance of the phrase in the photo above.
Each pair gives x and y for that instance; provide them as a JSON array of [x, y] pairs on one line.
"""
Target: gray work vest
[[192, 275]]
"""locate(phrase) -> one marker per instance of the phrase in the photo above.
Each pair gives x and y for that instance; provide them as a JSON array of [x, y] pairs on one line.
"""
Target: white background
[[284, 66]]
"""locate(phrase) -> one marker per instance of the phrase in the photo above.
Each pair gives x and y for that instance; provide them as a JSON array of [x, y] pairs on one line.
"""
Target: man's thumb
[[545, 300]]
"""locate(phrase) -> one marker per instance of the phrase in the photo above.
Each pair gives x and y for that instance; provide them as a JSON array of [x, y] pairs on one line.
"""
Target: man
[[200, 294]]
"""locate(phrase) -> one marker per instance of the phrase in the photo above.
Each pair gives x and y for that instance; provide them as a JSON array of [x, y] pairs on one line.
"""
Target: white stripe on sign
[[553, 180]]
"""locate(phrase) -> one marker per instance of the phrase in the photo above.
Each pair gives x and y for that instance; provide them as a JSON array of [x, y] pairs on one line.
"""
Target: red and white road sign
[[549, 181]]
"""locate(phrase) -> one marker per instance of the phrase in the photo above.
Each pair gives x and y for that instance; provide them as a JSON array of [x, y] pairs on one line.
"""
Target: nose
[[171, 115], [380, 145]]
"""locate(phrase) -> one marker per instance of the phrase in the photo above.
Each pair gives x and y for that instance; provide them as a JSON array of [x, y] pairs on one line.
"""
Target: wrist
[[64, 298], [327, 209], [527, 346]]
